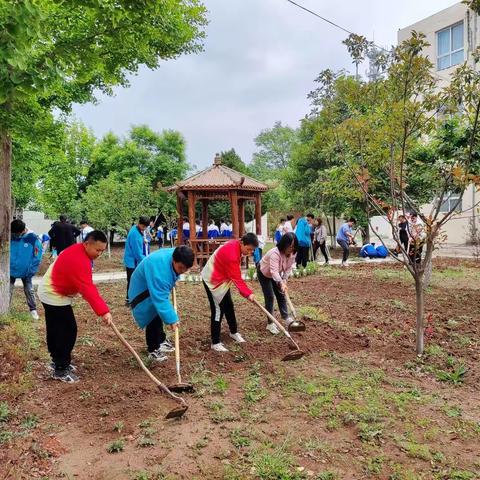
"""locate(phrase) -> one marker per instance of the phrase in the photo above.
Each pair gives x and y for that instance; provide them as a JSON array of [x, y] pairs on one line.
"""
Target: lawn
[[358, 405]]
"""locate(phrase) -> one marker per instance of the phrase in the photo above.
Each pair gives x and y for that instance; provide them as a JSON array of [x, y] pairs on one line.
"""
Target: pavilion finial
[[217, 160]]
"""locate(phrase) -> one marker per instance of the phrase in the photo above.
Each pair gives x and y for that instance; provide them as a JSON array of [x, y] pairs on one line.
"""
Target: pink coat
[[277, 265]]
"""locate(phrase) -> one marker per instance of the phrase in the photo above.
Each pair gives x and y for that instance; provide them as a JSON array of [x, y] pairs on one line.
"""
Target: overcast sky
[[259, 63]]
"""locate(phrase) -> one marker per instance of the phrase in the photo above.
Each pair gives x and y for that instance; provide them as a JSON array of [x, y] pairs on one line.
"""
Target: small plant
[[238, 438], [145, 423], [104, 413], [327, 475], [4, 411], [253, 389], [30, 422], [146, 442], [5, 436], [85, 395], [415, 450], [220, 385], [455, 376], [452, 411], [116, 446], [251, 273], [374, 465], [141, 475], [118, 427]]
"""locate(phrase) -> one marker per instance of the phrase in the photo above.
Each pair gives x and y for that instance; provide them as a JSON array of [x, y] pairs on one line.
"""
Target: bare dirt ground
[[358, 405]]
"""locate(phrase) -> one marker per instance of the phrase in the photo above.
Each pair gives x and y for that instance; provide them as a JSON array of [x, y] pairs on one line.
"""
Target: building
[[453, 35]]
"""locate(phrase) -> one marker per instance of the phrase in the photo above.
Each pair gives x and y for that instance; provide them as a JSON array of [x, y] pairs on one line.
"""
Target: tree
[[56, 53], [231, 159]]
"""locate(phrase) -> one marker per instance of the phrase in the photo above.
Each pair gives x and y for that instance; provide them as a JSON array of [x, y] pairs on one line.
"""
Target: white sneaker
[[288, 321], [237, 337], [34, 314], [219, 347], [166, 347], [157, 356], [273, 329]]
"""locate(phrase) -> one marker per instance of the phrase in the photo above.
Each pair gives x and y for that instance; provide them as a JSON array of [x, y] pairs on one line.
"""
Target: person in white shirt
[[85, 229], [198, 228], [212, 226], [223, 226], [288, 227]]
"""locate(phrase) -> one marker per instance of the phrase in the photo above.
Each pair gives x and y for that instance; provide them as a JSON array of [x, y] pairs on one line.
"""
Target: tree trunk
[[420, 304], [367, 229], [5, 218]]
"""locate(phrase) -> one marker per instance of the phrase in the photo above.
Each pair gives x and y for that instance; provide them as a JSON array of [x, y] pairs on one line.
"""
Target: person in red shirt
[[70, 275], [219, 274]]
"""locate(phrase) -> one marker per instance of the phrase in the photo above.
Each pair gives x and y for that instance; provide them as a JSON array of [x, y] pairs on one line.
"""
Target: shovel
[[294, 354], [180, 386], [176, 412], [297, 325]]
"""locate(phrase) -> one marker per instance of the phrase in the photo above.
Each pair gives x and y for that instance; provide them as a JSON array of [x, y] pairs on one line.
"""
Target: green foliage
[[4, 411], [116, 446], [253, 389]]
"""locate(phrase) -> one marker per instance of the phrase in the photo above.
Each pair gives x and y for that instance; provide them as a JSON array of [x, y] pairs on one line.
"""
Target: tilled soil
[[362, 318]]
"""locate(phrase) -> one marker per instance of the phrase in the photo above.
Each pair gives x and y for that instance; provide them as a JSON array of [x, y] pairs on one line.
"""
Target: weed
[[86, 341], [456, 376], [85, 395], [118, 427], [220, 385], [327, 475], [30, 422], [314, 444], [275, 464], [4, 411], [461, 475], [434, 351], [253, 389], [104, 413], [374, 465], [452, 411], [146, 442], [371, 433], [314, 313], [142, 475], [145, 423], [238, 438], [116, 446], [416, 450], [5, 436]]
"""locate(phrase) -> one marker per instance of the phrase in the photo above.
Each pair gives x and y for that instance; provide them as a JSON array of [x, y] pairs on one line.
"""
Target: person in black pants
[[403, 234], [63, 234]]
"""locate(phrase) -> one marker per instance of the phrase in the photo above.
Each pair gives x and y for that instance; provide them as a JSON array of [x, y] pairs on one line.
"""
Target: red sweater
[[223, 269], [69, 275]]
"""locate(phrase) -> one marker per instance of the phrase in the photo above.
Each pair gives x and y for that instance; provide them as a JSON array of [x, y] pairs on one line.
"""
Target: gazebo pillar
[[204, 218], [191, 217], [180, 218], [258, 214], [233, 194], [241, 218]]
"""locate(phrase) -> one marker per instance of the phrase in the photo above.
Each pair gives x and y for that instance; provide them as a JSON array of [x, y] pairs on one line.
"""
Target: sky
[[259, 62]]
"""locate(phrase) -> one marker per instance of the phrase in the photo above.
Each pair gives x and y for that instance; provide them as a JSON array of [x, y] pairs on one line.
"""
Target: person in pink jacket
[[273, 272]]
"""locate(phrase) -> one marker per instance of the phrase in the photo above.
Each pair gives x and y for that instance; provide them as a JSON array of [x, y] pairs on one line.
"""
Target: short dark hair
[[222, 220], [289, 217], [83, 222], [352, 219], [143, 220], [310, 215], [63, 218], [282, 220], [286, 241], [250, 239], [96, 236], [414, 214], [17, 226], [184, 254]]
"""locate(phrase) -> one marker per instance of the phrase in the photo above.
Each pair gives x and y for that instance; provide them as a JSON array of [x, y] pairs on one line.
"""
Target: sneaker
[[65, 376], [288, 321], [237, 337], [157, 356], [34, 314], [166, 347], [70, 368], [273, 329], [219, 347]]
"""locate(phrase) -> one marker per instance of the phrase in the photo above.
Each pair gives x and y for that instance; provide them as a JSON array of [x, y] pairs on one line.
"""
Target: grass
[[253, 389], [116, 446], [239, 438]]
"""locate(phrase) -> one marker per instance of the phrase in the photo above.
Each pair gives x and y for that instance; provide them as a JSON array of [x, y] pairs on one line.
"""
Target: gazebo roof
[[219, 177]]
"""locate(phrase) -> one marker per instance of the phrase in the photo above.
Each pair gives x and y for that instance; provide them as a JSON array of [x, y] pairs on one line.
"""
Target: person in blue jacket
[[25, 256], [303, 231], [149, 295], [345, 238], [134, 252]]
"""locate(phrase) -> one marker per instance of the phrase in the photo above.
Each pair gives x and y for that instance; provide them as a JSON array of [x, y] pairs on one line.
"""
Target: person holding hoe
[[149, 293], [272, 273], [345, 238], [70, 274], [219, 274]]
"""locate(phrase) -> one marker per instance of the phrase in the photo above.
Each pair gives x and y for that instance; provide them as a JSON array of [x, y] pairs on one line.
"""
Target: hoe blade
[[293, 355]]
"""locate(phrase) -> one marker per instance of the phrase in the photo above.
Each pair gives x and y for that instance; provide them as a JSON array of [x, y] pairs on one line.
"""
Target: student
[[198, 229], [62, 234], [303, 232], [149, 291], [416, 232], [85, 229], [221, 271], [229, 229], [69, 275], [186, 229], [213, 230], [273, 272], [223, 228], [288, 227], [402, 234], [134, 252], [320, 240], [160, 236], [45, 243], [279, 231], [345, 238], [25, 256], [148, 237]]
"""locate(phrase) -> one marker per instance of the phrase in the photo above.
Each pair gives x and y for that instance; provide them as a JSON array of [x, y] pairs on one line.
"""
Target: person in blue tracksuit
[[149, 294], [134, 252], [303, 231], [25, 256], [345, 238]]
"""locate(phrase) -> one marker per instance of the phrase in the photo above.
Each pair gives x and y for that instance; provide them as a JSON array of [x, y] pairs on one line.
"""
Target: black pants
[[218, 310], [129, 276], [61, 334], [302, 256], [323, 249], [269, 289], [154, 334], [345, 248]]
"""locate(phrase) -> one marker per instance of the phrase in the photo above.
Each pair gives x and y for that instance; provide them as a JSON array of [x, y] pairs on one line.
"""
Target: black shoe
[[65, 376], [70, 368]]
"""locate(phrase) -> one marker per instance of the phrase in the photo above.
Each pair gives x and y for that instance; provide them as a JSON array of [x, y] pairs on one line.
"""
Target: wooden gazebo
[[217, 182]]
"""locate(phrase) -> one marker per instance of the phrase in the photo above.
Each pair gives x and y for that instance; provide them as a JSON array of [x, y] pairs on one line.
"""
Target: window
[[450, 46], [450, 202]]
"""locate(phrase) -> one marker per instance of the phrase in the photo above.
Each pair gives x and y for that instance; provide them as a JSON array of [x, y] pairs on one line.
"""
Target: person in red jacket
[[69, 275], [221, 271]]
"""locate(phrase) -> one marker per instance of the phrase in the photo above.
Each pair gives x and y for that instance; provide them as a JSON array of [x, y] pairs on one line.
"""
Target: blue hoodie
[[154, 279], [302, 231], [133, 248], [25, 255]]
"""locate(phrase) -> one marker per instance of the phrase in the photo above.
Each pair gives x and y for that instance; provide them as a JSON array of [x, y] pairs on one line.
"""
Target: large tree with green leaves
[[54, 53]]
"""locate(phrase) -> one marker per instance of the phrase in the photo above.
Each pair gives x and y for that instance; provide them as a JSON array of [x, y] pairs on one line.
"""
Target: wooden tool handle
[[290, 305], [144, 368], [177, 338]]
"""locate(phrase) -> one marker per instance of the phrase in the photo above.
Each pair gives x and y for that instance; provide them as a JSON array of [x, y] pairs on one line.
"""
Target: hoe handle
[[276, 322], [290, 305], [177, 338], [150, 375]]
